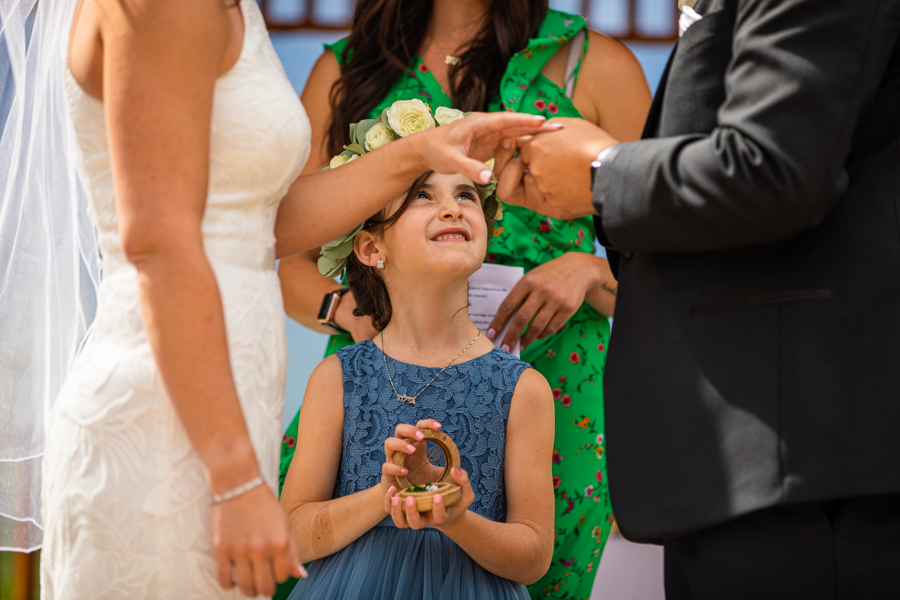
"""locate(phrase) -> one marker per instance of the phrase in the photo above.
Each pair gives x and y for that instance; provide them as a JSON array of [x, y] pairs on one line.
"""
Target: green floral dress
[[572, 360]]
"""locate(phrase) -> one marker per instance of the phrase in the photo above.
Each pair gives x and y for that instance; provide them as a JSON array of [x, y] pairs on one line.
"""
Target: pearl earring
[[380, 265]]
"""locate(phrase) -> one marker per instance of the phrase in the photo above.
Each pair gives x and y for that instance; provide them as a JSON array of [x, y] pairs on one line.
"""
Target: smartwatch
[[329, 307]]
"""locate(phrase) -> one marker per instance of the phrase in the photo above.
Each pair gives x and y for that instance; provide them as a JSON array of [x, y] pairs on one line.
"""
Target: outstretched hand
[[463, 146], [551, 173]]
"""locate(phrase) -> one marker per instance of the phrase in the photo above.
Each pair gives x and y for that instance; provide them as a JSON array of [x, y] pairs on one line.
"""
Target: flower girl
[[429, 368]]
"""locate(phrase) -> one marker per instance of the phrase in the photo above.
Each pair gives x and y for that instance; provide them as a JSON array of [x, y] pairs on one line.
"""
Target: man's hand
[[551, 174]]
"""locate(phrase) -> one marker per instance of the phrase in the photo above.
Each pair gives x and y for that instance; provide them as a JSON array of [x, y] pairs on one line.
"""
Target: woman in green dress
[[514, 55]]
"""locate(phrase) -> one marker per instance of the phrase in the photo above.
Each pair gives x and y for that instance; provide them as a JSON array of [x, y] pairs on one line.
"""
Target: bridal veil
[[48, 252]]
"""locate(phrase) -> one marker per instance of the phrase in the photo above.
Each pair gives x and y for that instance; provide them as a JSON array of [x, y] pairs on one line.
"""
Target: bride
[[162, 447]]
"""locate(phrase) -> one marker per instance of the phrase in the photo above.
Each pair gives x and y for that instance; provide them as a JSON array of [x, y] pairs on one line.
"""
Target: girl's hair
[[387, 34], [365, 282]]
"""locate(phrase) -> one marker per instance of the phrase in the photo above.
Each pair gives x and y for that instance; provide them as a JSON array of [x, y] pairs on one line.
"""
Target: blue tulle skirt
[[401, 564]]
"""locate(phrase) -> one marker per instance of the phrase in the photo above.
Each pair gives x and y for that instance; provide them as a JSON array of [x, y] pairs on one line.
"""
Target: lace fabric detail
[[471, 400]]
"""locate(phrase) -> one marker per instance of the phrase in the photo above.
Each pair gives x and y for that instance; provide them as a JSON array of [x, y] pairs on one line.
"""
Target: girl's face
[[442, 231]]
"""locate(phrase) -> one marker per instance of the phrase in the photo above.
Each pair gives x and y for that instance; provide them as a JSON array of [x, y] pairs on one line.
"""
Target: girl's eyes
[[463, 196]]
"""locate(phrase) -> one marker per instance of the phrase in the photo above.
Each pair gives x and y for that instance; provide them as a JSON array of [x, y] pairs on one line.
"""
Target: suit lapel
[[652, 123]]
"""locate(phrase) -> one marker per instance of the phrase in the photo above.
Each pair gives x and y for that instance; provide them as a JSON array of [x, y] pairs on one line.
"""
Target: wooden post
[[24, 574]]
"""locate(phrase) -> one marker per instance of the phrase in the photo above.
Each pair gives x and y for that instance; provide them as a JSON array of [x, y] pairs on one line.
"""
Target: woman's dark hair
[[387, 34], [368, 288]]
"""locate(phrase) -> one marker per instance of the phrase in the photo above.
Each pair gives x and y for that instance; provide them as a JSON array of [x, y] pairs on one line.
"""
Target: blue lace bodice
[[471, 400]]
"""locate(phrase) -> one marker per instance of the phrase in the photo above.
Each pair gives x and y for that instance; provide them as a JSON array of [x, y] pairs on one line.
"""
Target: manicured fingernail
[[438, 499], [411, 448], [391, 490], [303, 573], [455, 471], [410, 502], [507, 144], [540, 118], [505, 347], [395, 501], [555, 125], [491, 333], [420, 435], [485, 176], [436, 424], [403, 471]]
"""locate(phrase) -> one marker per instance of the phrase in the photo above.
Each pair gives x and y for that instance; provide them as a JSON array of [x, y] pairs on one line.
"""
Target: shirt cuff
[[603, 159]]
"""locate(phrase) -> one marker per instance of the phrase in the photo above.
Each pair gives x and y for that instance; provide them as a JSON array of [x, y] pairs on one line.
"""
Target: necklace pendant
[[405, 398]]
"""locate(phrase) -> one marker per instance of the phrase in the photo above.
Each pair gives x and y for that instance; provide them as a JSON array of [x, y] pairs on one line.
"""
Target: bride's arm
[[321, 206], [161, 60]]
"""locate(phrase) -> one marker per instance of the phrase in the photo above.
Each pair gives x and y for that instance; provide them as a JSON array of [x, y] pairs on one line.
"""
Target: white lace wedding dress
[[125, 500]]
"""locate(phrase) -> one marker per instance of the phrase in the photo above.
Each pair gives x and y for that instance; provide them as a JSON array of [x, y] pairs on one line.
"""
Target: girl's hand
[[389, 471], [252, 543], [440, 516], [360, 328], [547, 297]]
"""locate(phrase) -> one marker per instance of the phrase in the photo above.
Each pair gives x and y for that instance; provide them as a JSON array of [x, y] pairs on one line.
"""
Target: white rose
[[378, 136], [340, 160], [409, 116], [445, 116]]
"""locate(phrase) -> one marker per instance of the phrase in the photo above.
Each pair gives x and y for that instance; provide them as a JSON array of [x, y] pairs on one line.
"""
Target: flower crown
[[400, 119]]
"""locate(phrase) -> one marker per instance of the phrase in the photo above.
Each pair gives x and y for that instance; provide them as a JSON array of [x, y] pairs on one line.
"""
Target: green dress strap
[[524, 68], [338, 48]]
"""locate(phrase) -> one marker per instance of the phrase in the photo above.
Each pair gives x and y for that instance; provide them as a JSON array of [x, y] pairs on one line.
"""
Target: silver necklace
[[412, 399]]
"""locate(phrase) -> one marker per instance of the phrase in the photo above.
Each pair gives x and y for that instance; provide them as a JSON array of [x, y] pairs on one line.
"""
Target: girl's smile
[[452, 234]]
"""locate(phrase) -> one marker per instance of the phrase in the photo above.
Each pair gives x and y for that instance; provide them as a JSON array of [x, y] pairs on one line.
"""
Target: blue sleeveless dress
[[471, 400]]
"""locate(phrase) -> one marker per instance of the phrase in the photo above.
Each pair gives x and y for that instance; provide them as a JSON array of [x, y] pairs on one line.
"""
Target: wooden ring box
[[449, 491]]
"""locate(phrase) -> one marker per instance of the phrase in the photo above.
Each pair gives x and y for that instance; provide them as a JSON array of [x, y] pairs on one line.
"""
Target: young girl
[[497, 55], [428, 368]]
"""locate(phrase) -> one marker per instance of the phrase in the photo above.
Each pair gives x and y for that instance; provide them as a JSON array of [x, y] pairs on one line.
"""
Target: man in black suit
[[753, 382]]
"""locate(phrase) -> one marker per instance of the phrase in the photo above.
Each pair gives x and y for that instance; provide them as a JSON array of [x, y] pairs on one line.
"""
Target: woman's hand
[[440, 516], [549, 295], [252, 543], [360, 328], [463, 146], [390, 471]]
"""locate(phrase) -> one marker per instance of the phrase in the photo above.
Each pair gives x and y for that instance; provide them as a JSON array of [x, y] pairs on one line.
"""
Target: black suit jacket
[[755, 357]]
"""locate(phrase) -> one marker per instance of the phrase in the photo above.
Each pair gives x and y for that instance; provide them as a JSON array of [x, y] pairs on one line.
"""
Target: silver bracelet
[[238, 491]]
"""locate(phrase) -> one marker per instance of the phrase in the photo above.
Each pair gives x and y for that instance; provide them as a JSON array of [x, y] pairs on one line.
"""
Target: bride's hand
[[252, 543], [461, 147]]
